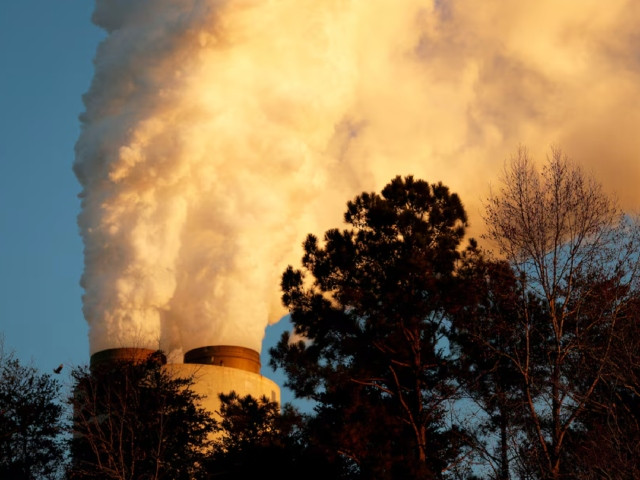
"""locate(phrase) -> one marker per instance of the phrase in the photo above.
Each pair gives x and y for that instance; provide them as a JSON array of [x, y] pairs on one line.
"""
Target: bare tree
[[568, 242], [134, 420]]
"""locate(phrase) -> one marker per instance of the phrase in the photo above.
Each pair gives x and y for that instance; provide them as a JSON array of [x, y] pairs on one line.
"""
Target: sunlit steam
[[218, 133]]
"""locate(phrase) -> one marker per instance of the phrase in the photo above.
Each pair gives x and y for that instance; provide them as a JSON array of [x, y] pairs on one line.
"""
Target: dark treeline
[[432, 359], [424, 355]]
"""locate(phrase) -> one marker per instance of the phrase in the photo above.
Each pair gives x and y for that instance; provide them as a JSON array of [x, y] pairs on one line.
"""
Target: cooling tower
[[222, 369], [215, 369]]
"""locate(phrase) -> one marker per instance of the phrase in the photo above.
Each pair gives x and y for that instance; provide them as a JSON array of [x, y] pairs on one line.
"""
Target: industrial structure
[[214, 369]]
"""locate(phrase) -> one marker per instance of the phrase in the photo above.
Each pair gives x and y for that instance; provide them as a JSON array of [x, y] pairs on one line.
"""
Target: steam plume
[[218, 133]]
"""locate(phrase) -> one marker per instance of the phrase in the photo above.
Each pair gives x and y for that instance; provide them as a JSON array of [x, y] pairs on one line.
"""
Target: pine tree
[[370, 313]]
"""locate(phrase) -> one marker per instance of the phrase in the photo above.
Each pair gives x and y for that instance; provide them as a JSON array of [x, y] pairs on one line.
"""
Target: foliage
[[608, 444], [135, 420], [574, 251], [30, 422], [486, 334], [257, 440], [370, 307], [247, 422]]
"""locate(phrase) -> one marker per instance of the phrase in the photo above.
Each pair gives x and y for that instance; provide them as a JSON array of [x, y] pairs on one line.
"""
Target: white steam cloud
[[218, 133]]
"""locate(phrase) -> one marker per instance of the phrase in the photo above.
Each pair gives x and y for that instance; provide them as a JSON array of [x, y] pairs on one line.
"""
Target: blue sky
[[46, 49], [46, 52]]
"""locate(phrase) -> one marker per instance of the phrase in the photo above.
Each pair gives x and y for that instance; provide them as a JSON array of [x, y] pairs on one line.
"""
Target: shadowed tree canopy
[[489, 334], [257, 440], [608, 444], [574, 251], [30, 422], [369, 309], [134, 420]]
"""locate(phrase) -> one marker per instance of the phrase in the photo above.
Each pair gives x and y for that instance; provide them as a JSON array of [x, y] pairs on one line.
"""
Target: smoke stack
[[124, 355], [225, 356]]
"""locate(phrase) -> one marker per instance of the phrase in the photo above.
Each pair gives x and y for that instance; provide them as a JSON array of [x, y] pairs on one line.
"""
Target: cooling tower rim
[[232, 356], [124, 354]]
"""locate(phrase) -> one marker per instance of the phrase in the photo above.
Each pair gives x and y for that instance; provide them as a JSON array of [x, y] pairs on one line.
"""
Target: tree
[[609, 442], [567, 241], [486, 334], [257, 440], [30, 422], [133, 420], [247, 422], [370, 312]]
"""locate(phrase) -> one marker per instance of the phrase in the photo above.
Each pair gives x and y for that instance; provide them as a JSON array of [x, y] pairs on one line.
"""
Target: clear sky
[[46, 49], [309, 105]]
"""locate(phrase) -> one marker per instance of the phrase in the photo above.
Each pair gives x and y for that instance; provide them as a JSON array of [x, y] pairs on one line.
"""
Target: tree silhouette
[[134, 420], [369, 309], [608, 442], [30, 422], [256, 439], [487, 336], [574, 251]]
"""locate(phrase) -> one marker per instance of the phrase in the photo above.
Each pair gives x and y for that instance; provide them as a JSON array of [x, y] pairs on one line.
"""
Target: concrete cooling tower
[[223, 368], [214, 369]]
